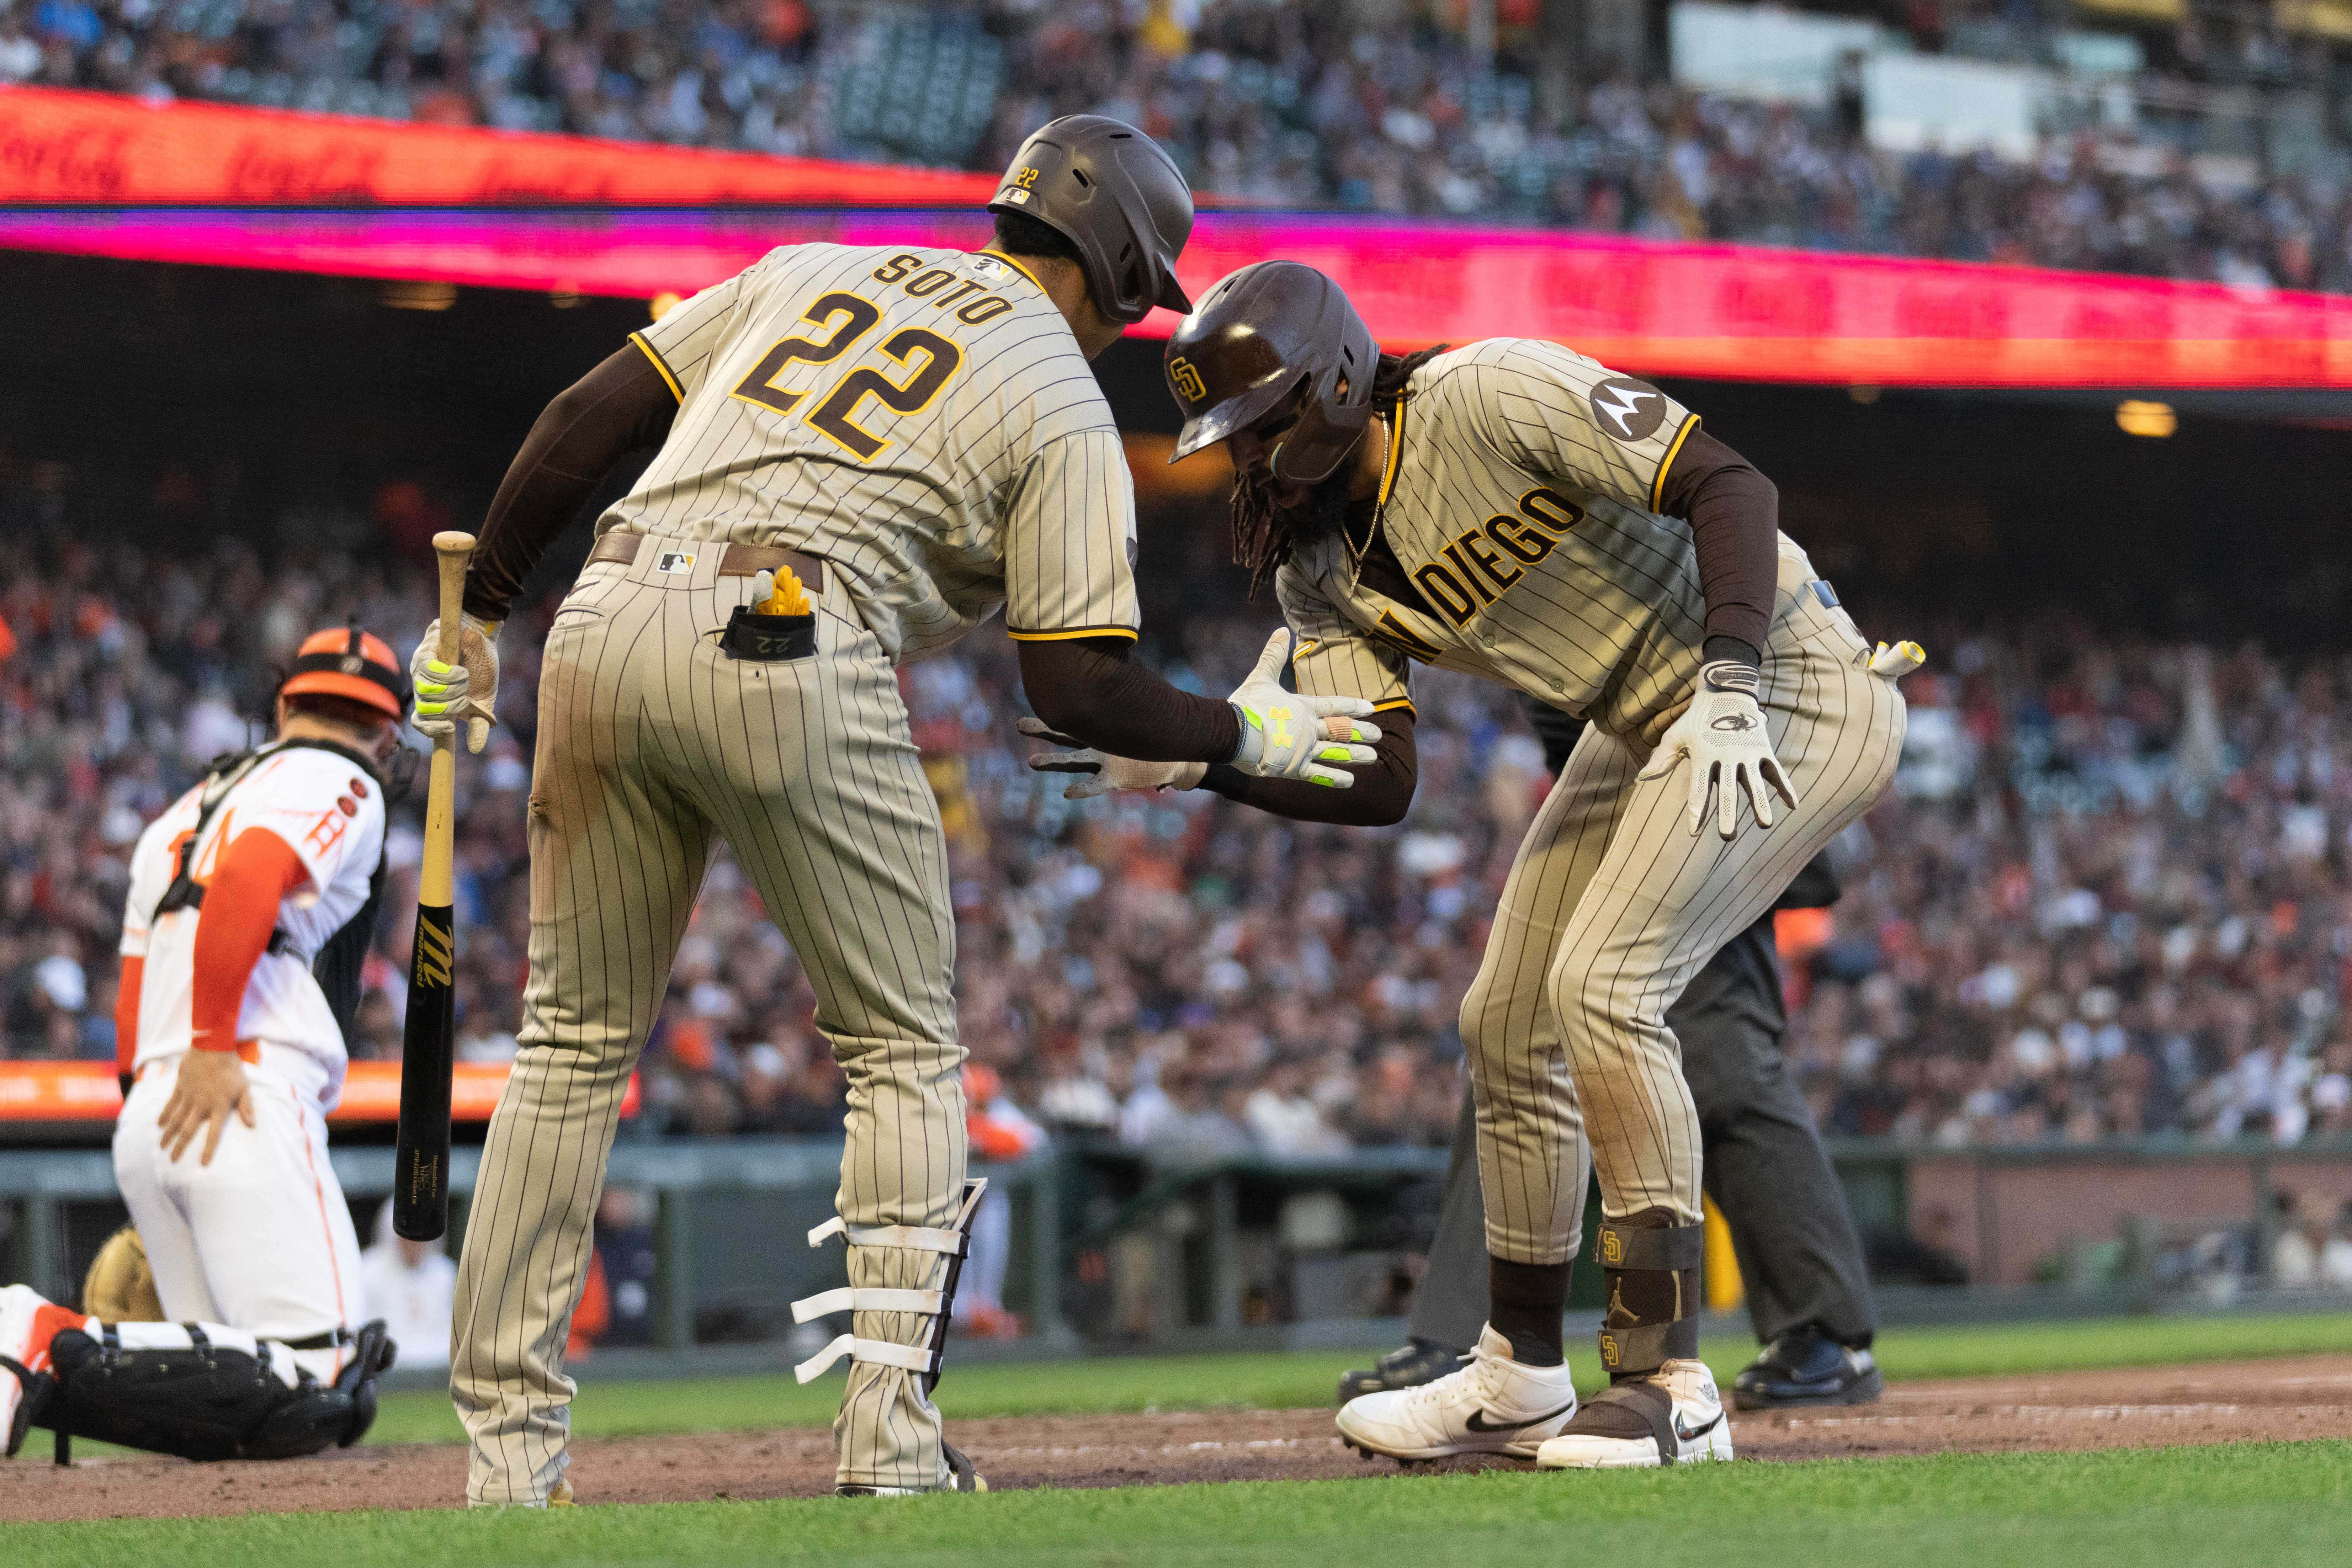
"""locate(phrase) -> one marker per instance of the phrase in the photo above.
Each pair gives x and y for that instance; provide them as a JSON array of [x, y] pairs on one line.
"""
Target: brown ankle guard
[[1639, 1340]]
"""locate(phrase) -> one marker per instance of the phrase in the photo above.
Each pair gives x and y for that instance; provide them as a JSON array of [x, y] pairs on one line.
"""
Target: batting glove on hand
[[1723, 734], [468, 691], [1286, 735], [1105, 774]]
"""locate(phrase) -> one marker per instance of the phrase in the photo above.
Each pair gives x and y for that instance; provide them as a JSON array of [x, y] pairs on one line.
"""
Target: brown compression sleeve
[[1735, 517], [1095, 691], [621, 406], [1380, 796]]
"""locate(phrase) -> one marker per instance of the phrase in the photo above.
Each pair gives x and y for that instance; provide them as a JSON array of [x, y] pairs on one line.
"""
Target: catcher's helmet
[[352, 664], [1107, 189], [1270, 332]]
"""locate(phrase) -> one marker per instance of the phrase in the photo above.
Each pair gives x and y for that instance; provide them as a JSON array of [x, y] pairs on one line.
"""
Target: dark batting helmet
[[1107, 189], [1266, 335]]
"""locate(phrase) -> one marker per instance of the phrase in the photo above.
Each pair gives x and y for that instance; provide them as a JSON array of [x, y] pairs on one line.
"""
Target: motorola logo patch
[[1627, 409]]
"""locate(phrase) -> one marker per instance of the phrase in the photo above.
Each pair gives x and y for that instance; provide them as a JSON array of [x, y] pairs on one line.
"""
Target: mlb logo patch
[[672, 561]]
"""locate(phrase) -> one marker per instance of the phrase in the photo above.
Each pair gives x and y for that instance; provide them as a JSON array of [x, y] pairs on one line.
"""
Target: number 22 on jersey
[[925, 359]]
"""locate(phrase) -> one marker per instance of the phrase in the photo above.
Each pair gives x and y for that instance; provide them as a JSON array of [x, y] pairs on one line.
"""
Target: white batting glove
[[1286, 735], [1102, 772], [1730, 750], [470, 690]]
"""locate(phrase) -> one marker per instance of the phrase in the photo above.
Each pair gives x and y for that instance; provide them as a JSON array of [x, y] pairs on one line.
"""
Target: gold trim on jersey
[[651, 353], [1016, 267], [1396, 453], [1403, 702], [1658, 487], [1073, 633]]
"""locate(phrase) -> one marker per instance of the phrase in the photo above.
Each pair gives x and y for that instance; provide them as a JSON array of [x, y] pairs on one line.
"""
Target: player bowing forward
[[252, 902], [1514, 510], [900, 442]]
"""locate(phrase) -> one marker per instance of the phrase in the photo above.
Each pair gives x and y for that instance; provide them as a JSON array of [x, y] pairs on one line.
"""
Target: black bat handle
[[420, 1190]]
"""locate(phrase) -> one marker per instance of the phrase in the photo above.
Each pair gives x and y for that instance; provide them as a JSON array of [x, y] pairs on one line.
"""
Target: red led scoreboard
[[97, 175]]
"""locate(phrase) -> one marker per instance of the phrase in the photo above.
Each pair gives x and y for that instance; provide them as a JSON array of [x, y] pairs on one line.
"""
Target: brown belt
[[739, 560]]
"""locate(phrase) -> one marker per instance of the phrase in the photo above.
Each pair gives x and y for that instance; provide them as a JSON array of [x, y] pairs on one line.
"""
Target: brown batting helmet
[[1272, 334], [1107, 189]]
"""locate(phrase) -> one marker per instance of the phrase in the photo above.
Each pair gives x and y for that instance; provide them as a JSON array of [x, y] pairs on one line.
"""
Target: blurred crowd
[[1294, 102], [2111, 895]]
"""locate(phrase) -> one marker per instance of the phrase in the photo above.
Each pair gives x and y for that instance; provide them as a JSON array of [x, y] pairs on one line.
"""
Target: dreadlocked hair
[[1262, 540]]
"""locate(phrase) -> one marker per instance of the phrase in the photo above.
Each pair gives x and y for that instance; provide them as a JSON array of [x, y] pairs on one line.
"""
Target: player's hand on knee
[[1730, 746], [1289, 735], [1101, 773], [210, 1088], [467, 689]]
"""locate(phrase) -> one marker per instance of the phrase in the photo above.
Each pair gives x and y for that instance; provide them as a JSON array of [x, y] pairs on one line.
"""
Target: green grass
[[2183, 1508], [1291, 1380]]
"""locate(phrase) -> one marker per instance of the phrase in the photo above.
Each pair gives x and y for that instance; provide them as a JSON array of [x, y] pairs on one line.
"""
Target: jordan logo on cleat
[[1478, 1422]]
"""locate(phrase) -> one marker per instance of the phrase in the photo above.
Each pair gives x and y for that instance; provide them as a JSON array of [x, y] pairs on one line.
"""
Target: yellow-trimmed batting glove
[[1730, 749], [467, 691], [1287, 735], [1101, 773]]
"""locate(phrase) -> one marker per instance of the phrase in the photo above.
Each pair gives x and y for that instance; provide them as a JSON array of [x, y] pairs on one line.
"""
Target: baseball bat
[[420, 1191]]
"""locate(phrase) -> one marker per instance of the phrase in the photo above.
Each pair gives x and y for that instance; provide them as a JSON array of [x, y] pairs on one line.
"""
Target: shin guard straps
[[938, 1305]]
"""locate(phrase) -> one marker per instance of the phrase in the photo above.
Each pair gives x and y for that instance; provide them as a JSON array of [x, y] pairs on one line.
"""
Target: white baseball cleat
[[1493, 1405], [1634, 1425], [28, 1322]]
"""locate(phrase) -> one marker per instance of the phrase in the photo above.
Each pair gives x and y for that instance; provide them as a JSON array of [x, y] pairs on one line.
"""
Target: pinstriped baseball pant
[[1612, 906], [653, 746]]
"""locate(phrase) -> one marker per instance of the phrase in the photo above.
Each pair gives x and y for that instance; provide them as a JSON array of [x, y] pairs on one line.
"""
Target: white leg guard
[[901, 1296]]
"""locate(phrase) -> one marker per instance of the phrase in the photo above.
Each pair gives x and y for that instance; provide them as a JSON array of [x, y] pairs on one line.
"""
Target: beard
[[1268, 530]]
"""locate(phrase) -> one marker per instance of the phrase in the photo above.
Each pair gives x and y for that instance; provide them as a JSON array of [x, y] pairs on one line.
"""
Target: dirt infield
[[2148, 1407]]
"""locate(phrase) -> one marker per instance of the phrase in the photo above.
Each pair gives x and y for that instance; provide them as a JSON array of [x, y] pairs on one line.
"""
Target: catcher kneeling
[[201, 1391], [252, 899]]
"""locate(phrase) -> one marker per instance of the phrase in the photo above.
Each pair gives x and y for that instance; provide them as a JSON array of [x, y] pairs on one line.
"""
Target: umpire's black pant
[[1766, 1169]]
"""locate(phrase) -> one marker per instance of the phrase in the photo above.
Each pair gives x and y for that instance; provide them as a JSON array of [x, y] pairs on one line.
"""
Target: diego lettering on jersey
[[1481, 565], [922, 282]]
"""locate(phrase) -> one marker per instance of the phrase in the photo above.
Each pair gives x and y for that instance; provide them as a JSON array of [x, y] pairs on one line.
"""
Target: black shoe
[[1800, 1369], [1417, 1362]]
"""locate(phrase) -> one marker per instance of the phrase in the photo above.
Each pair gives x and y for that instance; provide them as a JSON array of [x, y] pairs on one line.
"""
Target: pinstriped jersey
[[1518, 499], [923, 419]]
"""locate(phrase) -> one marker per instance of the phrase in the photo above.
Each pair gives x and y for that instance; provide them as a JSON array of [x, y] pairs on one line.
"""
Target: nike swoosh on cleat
[[1478, 1422], [1687, 1436]]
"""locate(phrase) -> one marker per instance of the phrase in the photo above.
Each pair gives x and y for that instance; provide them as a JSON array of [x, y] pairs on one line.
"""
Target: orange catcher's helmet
[[356, 665]]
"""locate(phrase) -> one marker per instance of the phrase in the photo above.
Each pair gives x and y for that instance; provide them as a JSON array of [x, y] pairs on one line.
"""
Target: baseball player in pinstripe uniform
[[1514, 510], [864, 453]]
